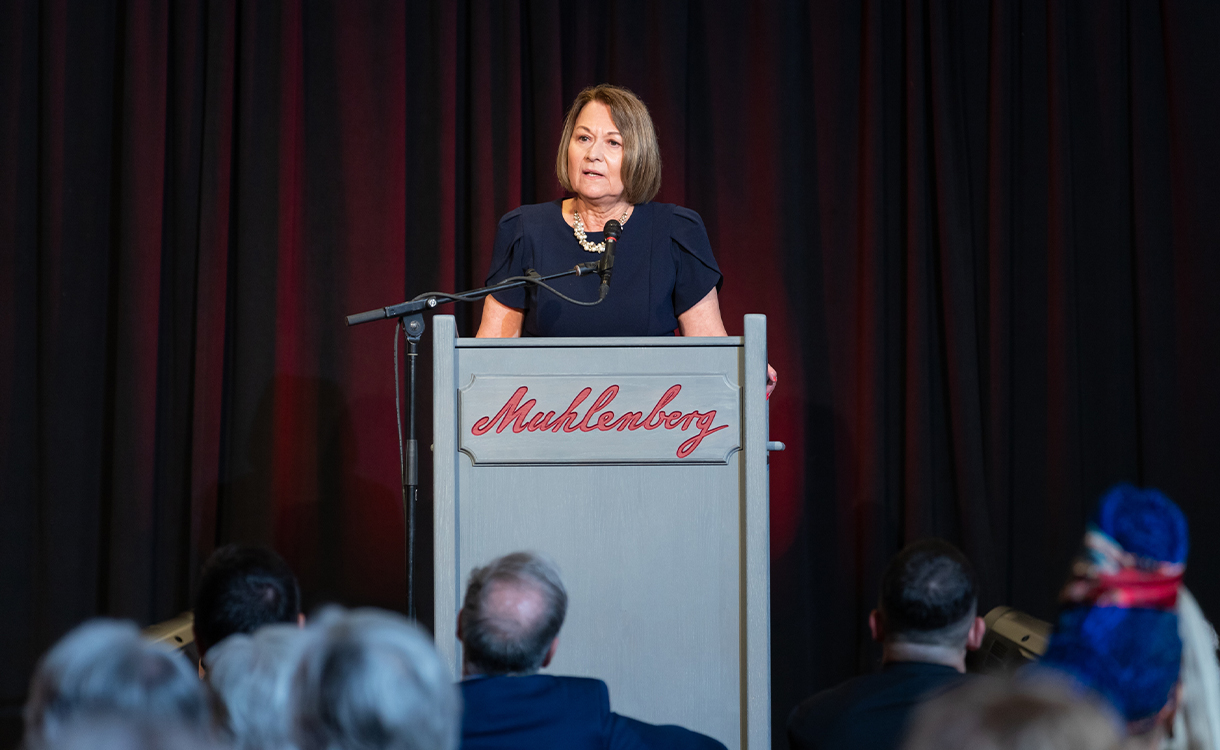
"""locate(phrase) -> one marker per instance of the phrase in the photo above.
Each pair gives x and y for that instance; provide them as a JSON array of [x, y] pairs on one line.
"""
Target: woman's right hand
[[500, 321]]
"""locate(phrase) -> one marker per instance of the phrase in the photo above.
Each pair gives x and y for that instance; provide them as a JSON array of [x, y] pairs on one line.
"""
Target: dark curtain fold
[[982, 233]]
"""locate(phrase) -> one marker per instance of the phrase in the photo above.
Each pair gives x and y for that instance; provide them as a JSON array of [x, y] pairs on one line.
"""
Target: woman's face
[[595, 155]]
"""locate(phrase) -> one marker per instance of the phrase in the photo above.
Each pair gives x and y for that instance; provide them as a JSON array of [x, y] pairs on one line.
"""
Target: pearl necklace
[[578, 229]]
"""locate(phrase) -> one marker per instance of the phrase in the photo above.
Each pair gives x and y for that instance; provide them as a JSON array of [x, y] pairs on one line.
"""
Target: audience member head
[[104, 670], [242, 589], [252, 675], [372, 680], [112, 733], [994, 714], [928, 605], [511, 616], [1117, 631]]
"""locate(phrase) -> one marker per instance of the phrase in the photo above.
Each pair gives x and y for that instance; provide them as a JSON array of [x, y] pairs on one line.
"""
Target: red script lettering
[[599, 418]]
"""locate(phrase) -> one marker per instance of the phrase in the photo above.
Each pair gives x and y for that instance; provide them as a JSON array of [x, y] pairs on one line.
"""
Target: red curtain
[[982, 233]]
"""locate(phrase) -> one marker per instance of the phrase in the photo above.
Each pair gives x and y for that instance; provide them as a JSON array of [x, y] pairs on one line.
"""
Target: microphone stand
[[411, 313]]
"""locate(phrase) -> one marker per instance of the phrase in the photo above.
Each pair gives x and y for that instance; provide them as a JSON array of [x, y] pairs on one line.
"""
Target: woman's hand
[[704, 320], [500, 321]]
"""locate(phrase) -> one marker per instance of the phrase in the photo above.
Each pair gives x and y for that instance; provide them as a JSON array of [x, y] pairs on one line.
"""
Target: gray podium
[[640, 466]]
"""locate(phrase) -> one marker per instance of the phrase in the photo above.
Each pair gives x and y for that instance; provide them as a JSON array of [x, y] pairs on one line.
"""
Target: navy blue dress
[[663, 266]]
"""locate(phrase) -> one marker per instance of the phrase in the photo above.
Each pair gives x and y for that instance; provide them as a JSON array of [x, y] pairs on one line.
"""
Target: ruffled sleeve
[[508, 259], [697, 271]]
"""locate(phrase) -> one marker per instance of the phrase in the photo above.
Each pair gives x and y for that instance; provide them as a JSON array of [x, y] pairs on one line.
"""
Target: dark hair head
[[242, 589], [500, 642], [928, 594]]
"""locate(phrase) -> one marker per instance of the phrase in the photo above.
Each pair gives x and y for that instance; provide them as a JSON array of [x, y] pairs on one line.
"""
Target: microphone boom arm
[[428, 300]]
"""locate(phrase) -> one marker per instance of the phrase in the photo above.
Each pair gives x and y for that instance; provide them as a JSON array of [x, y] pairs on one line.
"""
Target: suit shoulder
[[584, 686], [828, 703]]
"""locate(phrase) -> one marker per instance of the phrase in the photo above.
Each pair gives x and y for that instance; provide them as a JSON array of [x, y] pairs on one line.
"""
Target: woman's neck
[[595, 215]]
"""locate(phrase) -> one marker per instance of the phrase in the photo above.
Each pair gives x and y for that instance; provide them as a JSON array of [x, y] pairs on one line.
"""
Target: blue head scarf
[[1118, 630]]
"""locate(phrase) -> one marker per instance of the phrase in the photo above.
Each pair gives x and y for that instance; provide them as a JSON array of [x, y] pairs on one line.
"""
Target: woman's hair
[[641, 170]]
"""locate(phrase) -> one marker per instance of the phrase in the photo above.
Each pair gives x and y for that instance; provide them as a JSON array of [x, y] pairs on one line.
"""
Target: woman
[[665, 277]]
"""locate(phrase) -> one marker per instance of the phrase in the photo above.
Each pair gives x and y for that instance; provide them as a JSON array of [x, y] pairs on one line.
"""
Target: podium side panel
[[444, 464], [756, 538]]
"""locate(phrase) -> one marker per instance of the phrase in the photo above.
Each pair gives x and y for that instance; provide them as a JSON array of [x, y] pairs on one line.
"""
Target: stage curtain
[[983, 234]]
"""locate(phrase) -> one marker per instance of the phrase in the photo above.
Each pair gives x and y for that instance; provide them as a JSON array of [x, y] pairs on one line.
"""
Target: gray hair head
[[988, 713], [496, 640], [372, 680], [112, 733], [252, 675], [104, 668]]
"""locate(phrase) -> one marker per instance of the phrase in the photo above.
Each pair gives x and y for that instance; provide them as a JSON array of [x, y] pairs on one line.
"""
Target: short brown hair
[[641, 170]]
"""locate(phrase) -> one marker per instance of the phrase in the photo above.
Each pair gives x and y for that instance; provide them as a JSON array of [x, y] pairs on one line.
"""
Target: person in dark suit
[[926, 620], [509, 628]]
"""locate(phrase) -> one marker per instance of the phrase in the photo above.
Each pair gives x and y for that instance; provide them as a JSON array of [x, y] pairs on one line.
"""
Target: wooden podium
[[640, 466]]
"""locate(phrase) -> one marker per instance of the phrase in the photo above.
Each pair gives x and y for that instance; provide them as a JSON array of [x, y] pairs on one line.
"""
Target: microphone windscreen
[[613, 229]]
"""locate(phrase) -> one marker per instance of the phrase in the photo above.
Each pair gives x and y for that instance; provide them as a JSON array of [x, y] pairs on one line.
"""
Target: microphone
[[613, 230]]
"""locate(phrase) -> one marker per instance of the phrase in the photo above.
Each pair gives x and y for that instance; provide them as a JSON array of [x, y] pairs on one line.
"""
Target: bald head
[[518, 606], [513, 611]]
